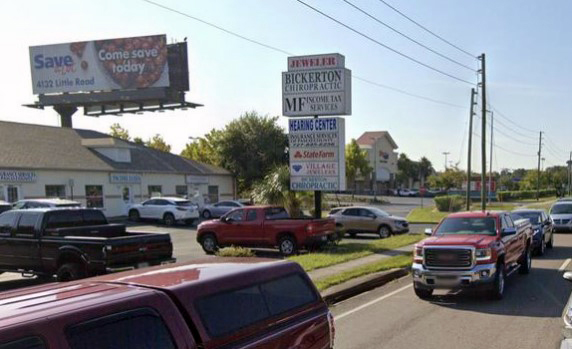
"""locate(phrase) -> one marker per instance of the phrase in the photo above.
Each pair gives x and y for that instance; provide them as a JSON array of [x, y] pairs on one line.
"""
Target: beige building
[[98, 170], [380, 148]]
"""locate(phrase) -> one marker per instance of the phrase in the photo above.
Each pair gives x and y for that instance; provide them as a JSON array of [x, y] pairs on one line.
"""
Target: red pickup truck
[[264, 226], [208, 304], [472, 249]]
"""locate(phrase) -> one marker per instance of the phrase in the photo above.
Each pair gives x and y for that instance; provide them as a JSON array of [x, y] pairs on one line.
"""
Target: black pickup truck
[[75, 243]]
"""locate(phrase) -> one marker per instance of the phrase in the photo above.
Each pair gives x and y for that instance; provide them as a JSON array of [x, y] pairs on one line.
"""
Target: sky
[[527, 63]]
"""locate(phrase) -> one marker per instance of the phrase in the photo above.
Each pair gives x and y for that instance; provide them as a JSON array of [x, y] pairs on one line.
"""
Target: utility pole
[[472, 112], [538, 172], [446, 153], [483, 133], [491, 161], [569, 163]]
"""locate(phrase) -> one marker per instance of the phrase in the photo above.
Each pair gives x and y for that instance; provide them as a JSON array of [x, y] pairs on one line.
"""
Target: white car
[[167, 209], [41, 203]]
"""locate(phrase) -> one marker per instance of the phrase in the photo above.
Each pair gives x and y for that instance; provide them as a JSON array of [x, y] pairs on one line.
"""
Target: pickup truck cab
[[264, 226], [75, 243], [208, 304], [472, 249]]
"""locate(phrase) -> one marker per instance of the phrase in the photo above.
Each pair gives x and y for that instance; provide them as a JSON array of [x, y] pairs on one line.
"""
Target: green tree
[[119, 132], [138, 140], [357, 163], [407, 170], [203, 149], [425, 168], [452, 177], [157, 142]]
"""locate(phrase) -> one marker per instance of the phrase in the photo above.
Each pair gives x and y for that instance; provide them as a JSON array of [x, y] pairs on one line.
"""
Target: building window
[[213, 193], [12, 193], [154, 190], [56, 191], [181, 190], [94, 196]]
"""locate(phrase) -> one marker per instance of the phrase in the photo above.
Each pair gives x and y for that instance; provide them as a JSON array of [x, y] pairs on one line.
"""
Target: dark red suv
[[209, 303]]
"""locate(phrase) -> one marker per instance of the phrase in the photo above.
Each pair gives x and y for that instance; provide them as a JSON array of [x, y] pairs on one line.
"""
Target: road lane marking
[[341, 316], [565, 264]]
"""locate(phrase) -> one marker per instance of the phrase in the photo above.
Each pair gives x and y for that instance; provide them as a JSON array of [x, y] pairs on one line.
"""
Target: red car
[[264, 226], [211, 303], [472, 249]]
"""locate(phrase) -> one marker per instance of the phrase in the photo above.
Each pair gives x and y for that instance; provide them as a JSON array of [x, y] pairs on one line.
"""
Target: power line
[[514, 139], [292, 54], [408, 37], [511, 121], [506, 150], [514, 131], [427, 30], [384, 45]]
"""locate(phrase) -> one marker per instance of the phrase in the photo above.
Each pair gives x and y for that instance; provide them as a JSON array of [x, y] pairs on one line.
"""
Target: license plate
[[142, 265]]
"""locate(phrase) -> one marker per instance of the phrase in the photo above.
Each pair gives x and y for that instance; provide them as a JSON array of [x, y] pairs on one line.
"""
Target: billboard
[[100, 65], [316, 85], [317, 154]]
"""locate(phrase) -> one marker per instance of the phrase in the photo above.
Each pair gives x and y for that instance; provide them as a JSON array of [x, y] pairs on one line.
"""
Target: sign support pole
[[66, 113], [317, 199]]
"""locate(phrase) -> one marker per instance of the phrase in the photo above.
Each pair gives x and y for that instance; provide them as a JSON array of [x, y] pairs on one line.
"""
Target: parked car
[[567, 319], [265, 226], [472, 250], [5, 206], [542, 228], [220, 208], [354, 220], [169, 210], [43, 203], [222, 303], [75, 243], [405, 192], [561, 214], [413, 192]]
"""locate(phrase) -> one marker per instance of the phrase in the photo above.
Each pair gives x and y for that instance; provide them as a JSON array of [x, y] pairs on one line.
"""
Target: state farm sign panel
[[316, 85], [317, 156], [114, 64]]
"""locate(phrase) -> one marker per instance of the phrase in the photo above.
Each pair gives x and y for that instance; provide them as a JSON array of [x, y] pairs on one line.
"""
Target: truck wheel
[[423, 293], [209, 244], [384, 231], [526, 262], [542, 247], [497, 291], [352, 235], [550, 243], [70, 271], [207, 214], [169, 219], [287, 245], [134, 216]]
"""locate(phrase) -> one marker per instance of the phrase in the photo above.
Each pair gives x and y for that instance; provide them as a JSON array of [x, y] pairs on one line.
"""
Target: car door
[[352, 220], [24, 242], [160, 207], [232, 231], [547, 225], [511, 242], [146, 209], [7, 223], [368, 221], [249, 231]]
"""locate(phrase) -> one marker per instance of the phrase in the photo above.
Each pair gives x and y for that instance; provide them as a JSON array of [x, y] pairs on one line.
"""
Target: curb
[[434, 223], [352, 288]]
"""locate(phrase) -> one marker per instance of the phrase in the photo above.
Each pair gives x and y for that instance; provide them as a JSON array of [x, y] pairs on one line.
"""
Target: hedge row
[[449, 203], [524, 194]]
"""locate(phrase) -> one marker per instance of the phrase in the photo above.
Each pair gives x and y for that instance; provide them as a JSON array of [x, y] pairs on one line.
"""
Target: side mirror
[[508, 231], [428, 231], [567, 275]]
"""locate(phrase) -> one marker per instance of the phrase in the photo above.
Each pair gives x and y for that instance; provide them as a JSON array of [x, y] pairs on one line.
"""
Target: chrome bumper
[[479, 275]]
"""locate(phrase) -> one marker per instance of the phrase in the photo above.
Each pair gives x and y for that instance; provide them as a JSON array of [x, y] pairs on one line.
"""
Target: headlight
[[536, 231], [419, 251], [568, 317], [483, 253]]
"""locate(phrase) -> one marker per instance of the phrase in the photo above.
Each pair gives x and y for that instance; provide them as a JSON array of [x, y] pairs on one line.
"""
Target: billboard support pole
[[66, 113], [317, 199]]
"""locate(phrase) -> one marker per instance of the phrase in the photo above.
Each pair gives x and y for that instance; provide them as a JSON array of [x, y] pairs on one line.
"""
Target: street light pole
[[374, 179], [446, 153]]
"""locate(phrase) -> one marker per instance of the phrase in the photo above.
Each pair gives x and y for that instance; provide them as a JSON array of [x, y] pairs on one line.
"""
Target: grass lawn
[[384, 264], [541, 205], [348, 251], [495, 206], [425, 215]]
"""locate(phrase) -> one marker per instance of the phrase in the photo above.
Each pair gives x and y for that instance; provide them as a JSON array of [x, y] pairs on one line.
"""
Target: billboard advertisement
[[100, 65]]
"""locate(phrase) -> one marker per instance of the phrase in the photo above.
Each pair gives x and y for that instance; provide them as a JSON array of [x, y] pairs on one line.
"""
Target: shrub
[[235, 251], [524, 194], [449, 203]]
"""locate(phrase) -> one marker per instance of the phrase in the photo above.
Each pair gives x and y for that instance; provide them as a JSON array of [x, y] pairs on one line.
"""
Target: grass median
[[401, 261], [432, 215], [345, 252]]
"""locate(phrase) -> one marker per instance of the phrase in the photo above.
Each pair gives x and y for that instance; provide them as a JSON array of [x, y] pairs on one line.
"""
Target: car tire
[[190, 221], [287, 245], [134, 216], [550, 243], [384, 231], [352, 235], [207, 214], [70, 272], [497, 290], [423, 293], [542, 248], [526, 262], [209, 244], [169, 219]]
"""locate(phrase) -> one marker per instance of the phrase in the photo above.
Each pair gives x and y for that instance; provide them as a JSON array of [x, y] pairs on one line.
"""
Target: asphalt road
[[529, 316]]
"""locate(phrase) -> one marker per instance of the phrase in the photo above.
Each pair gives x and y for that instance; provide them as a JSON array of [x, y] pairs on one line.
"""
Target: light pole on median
[[374, 180], [446, 153]]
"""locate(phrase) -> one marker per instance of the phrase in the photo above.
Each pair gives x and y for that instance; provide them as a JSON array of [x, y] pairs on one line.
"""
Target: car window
[[561, 209], [161, 202], [467, 226], [64, 219], [287, 293], [366, 213], [251, 215], [31, 342], [533, 217], [183, 203], [233, 204], [93, 217], [6, 223], [236, 216], [27, 224], [509, 221], [19, 205], [136, 329], [149, 202], [276, 213], [335, 210], [351, 212]]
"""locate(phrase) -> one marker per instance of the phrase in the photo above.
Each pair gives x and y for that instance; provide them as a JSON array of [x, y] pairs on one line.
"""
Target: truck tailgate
[[138, 249]]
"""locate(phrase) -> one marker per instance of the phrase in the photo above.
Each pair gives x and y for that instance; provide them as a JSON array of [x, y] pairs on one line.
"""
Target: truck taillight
[[332, 327], [310, 228]]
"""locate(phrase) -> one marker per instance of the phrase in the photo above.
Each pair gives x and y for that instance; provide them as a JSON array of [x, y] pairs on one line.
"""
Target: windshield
[[561, 209], [468, 226], [533, 217]]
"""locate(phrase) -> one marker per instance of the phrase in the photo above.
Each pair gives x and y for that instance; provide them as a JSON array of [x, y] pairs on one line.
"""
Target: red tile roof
[[367, 138]]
